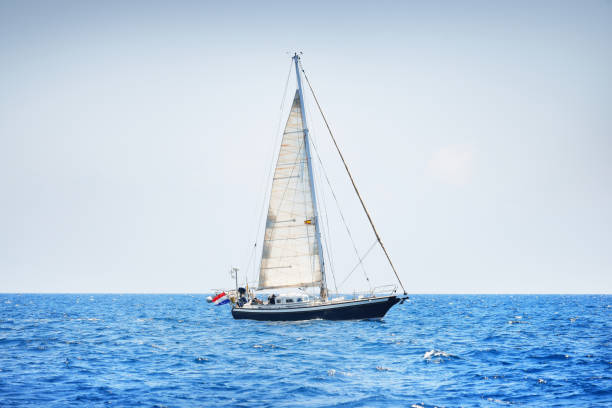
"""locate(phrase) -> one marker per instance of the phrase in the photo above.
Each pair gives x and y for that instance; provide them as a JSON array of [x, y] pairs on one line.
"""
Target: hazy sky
[[135, 139]]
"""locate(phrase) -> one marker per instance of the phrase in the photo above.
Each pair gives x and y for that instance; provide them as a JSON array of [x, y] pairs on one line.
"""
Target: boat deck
[[353, 309]]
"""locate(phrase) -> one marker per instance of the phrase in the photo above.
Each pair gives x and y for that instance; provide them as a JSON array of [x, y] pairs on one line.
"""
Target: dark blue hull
[[374, 308]]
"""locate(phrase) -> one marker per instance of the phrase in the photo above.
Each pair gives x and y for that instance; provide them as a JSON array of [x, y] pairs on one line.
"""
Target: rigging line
[[297, 160], [278, 127], [249, 261], [304, 193], [285, 92], [305, 196], [263, 203], [360, 263], [348, 230], [353, 182], [327, 242], [282, 200], [350, 235]]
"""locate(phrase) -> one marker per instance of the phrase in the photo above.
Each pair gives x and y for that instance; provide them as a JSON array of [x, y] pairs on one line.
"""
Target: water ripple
[[177, 350]]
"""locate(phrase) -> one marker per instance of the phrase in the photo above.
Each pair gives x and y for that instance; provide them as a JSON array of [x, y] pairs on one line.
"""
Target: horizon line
[[347, 293]]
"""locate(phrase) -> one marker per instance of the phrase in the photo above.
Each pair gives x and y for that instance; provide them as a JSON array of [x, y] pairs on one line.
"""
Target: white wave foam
[[436, 353], [498, 401]]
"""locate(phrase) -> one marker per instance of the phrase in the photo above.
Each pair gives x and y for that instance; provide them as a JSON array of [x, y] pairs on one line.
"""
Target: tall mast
[[296, 60]]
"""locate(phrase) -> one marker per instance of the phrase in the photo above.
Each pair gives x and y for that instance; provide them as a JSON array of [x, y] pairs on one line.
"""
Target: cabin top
[[292, 298]]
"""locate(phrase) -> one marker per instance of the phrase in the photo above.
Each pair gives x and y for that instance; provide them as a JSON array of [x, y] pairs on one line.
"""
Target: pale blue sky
[[135, 138]]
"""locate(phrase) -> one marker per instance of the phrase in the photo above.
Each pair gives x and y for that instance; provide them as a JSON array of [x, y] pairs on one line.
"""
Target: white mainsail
[[290, 256]]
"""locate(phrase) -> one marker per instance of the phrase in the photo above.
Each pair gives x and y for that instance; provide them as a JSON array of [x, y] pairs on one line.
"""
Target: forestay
[[290, 256]]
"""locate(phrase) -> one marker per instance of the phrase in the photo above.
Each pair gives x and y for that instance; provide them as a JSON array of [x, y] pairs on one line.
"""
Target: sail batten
[[290, 255]]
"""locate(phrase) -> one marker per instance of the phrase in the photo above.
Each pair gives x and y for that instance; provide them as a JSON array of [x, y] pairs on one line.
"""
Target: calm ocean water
[[179, 351]]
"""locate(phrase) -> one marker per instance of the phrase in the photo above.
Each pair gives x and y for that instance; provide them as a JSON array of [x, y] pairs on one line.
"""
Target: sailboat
[[292, 255]]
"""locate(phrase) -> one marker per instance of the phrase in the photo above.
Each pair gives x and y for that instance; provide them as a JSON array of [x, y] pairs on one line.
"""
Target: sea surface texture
[[179, 351]]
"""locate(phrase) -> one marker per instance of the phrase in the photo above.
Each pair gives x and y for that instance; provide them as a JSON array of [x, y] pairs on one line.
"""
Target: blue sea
[[179, 351]]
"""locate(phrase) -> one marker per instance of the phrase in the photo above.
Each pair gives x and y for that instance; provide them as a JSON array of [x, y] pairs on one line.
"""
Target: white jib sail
[[290, 256]]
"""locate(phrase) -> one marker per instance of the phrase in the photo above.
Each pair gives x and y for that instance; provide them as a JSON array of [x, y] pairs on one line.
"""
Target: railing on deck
[[384, 290]]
